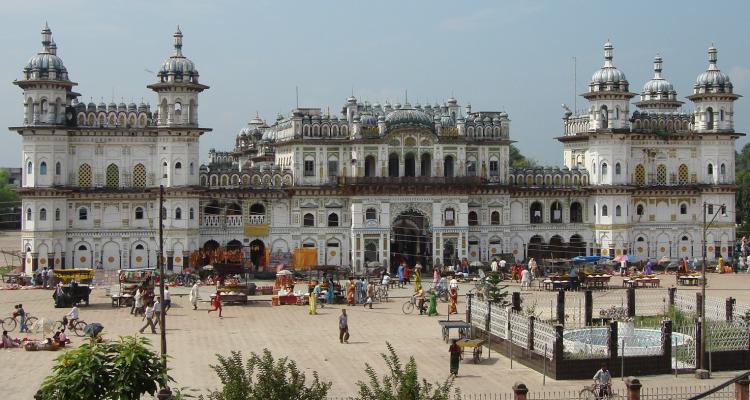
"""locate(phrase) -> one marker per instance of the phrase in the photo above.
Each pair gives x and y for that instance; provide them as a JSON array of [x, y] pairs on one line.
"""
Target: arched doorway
[[210, 245], [426, 165], [576, 246], [234, 245], [258, 252], [536, 247], [411, 239], [369, 166], [557, 247], [448, 167], [450, 255], [393, 165], [410, 165]]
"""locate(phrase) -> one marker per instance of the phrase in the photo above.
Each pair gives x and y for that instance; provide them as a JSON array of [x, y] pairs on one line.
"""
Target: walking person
[[22, 314], [44, 277], [455, 351], [157, 310], [370, 294], [167, 300], [137, 306], [194, 293], [453, 306], [148, 316], [493, 265], [50, 277], [343, 327], [313, 301], [401, 280], [216, 303], [417, 279], [350, 292], [525, 279]]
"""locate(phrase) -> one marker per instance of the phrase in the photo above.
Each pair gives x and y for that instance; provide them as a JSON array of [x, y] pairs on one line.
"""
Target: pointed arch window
[[57, 214], [139, 213], [178, 213], [58, 168], [84, 175], [28, 214], [43, 168], [113, 176]]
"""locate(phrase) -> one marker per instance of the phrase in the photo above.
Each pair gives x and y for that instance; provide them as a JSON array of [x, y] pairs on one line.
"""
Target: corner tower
[[713, 98], [178, 88], [608, 96]]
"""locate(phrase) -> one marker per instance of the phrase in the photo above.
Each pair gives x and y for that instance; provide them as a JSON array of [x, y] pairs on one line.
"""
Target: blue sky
[[512, 55]]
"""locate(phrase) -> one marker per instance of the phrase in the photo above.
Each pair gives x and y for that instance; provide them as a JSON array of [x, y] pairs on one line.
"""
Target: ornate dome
[[658, 87], [446, 121], [407, 116], [177, 66], [713, 80], [608, 74], [368, 120], [46, 64]]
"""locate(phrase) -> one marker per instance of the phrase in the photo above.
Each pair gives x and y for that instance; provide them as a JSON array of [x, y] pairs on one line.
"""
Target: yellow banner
[[256, 230]]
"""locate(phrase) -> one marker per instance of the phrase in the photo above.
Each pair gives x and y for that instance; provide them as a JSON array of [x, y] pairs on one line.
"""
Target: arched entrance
[[411, 239], [556, 247], [234, 245], [257, 252], [576, 246], [536, 247]]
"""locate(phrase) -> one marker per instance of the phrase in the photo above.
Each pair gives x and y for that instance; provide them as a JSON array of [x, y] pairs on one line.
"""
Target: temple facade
[[373, 183]]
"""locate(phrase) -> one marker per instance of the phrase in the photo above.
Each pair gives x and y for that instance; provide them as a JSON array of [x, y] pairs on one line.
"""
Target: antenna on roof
[[406, 96], [296, 91], [575, 84]]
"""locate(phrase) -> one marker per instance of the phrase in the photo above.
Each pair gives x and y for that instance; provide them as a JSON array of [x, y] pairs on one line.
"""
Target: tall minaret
[[47, 91], [608, 96], [713, 98]]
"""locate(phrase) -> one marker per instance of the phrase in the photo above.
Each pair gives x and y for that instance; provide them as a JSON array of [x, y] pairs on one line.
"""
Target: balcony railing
[[231, 221], [422, 180], [234, 220], [256, 219]]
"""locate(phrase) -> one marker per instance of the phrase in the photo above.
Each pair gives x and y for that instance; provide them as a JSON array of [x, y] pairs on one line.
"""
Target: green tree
[[517, 160], [7, 193], [495, 291], [742, 180], [403, 383], [123, 369], [263, 378]]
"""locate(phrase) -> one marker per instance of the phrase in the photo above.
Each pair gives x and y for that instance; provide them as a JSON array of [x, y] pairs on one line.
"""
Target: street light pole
[[165, 392], [703, 293], [706, 225]]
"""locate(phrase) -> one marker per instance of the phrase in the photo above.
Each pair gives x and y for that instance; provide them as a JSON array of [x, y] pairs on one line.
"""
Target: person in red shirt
[[216, 303], [407, 273]]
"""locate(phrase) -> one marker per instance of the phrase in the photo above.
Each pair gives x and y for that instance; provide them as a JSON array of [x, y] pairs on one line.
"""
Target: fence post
[[698, 354], [631, 302], [741, 389], [633, 386], [520, 391], [469, 296], [561, 307], [666, 344], [613, 345], [516, 301], [558, 347], [699, 304], [730, 308], [671, 293], [588, 307], [530, 339]]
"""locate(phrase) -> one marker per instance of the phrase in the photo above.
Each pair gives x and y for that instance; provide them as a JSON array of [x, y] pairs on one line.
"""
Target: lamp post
[[706, 225], [165, 392]]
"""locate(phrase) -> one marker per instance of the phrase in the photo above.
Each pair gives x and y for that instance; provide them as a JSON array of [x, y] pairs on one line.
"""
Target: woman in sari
[[452, 308], [417, 279], [432, 309], [350, 292], [455, 351]]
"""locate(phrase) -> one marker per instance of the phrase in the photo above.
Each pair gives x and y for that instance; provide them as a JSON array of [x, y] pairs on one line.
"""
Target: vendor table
[[689, 280], [463, 329], [475, 345], [642, 282], [121, 300], [597, 281]]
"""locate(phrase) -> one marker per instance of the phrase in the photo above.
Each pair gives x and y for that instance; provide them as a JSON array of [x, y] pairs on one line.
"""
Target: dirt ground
[[194, 337]]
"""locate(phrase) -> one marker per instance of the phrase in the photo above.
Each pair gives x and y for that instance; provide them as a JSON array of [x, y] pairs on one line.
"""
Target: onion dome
[[132, 107], [46, 64], [178, 68], [142, 107], [122, 107], [91, 107], [102, 106], [713, 80], [368, 120], [452, 101], [112, 106], [608, 74], [658, 88], [446, 121], [408, 117], [496, 120]]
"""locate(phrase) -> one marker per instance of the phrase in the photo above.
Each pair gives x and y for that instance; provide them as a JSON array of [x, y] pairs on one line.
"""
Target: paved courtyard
[[194, 337]]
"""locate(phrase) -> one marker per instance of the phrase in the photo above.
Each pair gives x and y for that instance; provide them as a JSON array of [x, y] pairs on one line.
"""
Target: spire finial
[[712, 54], [608, 50], [178, 42], [657, 66], [46, 37]]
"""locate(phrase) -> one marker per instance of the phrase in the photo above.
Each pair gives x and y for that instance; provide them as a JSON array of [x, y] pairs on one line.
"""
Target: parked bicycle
[[381, 293]]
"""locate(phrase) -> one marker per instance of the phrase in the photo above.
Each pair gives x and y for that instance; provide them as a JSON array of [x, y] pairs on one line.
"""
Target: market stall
[[73, 286], [130, 281], [232, 282]]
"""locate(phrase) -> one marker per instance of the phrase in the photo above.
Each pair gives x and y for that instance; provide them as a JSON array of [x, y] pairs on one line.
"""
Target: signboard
[[256, 230]]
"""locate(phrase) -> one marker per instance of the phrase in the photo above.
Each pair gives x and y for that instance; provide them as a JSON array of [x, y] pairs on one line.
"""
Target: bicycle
[[77, 327], [591, 392], [381, 293], [411, 304], [10, 323]]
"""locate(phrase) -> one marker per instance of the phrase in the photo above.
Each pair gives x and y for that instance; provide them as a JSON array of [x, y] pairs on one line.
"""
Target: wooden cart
[[464, 329], [74, 286], [476, 348]]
